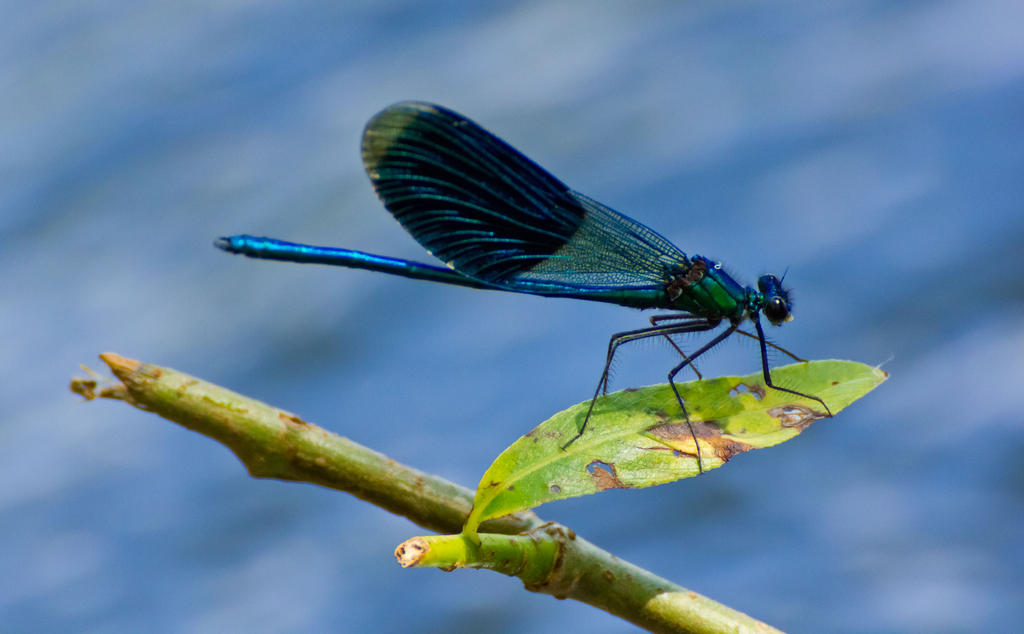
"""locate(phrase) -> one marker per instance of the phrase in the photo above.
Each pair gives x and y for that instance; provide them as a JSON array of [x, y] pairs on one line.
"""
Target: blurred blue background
[[876, 149]]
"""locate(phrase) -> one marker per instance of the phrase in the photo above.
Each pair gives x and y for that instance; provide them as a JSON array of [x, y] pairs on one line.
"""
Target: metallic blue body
[[501, 222]]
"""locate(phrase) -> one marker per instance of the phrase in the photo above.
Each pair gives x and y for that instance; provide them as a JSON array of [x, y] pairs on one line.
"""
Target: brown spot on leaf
[[675, 452], [796, 416], [533, 435], [681, 431], [659, 414], [707, 432], [554, 488], [726, 448], [604, 475]]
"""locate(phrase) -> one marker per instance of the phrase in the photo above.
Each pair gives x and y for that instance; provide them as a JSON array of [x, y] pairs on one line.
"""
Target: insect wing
[[491, 213]]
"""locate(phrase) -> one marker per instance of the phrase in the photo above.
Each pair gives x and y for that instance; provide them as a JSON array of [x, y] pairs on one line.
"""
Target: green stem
[[553, 560], [549, 558], [531, 556]]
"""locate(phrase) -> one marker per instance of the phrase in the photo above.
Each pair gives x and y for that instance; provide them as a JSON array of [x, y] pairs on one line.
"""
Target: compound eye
[[776, 310], [768, 283]]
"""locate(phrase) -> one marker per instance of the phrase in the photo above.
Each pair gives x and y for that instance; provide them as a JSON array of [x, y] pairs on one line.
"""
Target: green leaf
[[638, 438]]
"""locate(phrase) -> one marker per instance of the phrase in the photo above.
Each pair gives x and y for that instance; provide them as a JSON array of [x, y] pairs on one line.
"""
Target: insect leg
[[693, 325], [767, 373], [656, 319], [779, 348], [682, 364]]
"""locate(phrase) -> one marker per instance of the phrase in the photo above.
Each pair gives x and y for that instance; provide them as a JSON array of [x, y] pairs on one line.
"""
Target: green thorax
[[706, 290]]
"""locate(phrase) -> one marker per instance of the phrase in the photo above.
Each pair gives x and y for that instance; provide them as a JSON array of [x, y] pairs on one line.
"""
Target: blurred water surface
[[872, 148]]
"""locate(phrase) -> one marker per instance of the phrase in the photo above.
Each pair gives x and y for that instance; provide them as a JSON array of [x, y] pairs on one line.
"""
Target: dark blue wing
[[492, 214]]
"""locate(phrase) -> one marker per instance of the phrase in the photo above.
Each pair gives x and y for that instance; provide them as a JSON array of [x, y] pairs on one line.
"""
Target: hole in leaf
[[795, 415], [754, 390], [604, 475]]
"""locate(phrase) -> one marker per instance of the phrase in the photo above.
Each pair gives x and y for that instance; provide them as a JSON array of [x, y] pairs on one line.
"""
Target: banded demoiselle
[[501, 222]]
